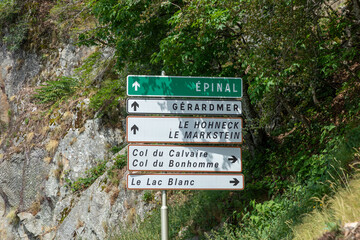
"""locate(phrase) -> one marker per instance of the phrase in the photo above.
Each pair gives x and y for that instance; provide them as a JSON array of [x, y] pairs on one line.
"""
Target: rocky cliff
[[45, 152]]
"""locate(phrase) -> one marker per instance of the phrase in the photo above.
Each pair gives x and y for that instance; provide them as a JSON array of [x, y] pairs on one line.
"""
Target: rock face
[[21, 178], [4, 105], [37, 162], [17, 69]]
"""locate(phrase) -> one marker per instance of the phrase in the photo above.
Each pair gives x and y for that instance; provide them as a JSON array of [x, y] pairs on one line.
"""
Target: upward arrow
[[134, 129], [135, 105], [233, 159], [136, 85]]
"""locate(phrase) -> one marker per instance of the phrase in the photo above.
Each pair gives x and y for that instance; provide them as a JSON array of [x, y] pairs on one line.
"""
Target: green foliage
[[202, 39], [294, 57], [313, 175], [285, 50], [116, 149], [8, 8], [113, 172], [294, 50], [90, 176], [203, 210], [133, 27], [106, 99], [148, 196], [13, 26], [120, 161], [24, 24], [149, 229], [53, 91], [71, 17], [17, 34], [87, 71]]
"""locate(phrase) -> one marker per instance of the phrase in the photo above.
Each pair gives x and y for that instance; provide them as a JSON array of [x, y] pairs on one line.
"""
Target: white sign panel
[[183, 130], [185, 182], [184, 158], [167, 106]]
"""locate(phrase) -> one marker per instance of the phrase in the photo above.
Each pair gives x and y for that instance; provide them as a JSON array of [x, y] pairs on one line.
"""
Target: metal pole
[[164, 217], [164, 209]]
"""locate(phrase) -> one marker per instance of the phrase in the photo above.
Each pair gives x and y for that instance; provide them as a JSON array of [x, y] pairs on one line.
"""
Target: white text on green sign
[[173, 86]]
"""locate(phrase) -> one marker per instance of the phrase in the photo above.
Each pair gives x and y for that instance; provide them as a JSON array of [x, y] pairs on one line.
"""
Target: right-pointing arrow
[[233, 159], [235, 181]]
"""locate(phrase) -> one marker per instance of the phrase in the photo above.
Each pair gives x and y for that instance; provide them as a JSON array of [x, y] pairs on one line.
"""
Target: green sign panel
[[169, 86]]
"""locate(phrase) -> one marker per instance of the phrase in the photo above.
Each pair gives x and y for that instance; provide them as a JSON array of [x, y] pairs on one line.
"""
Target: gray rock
[[25, 178], [17, 69], [97, 211], [82, 150]]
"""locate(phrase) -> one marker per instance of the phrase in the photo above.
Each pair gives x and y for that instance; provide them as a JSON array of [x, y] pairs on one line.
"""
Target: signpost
[[185, 181], [204, 130], [170, 86], [183, 130], [175, 158], [183, 107]]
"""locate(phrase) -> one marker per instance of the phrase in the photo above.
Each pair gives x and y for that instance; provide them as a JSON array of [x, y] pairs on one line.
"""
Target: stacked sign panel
[[203, 163]]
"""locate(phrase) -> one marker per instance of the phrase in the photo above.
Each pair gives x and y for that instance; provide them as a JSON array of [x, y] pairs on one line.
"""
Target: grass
[[51, 146], [274, 204], [342, 208], [12, 216], [29, 137]]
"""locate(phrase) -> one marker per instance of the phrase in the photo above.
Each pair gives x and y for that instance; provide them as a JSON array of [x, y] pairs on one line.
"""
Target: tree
[[284, 50], [134, 28]]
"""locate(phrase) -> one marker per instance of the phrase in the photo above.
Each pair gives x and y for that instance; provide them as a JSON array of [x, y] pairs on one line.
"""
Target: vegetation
[[90, 176], [12, 216], [334, 212], [95, 172], [114, 173], [56, 90], [289, 54], [300, 64]]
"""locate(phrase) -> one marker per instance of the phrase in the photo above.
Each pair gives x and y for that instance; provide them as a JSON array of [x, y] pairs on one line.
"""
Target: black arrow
[[233, 159], [135, 105], [134, 129], [235, 182]]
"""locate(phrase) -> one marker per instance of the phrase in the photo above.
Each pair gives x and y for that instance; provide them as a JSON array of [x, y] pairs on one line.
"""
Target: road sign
[[171, 106], [185, 182], [175, 158], [183, 130], [170, 86]]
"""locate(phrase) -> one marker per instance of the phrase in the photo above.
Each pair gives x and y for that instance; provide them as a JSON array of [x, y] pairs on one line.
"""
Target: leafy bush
[[120, 161], [148, 196], [270, 219], [17, 34], [7, 9], [53, 91], [116, 149]]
